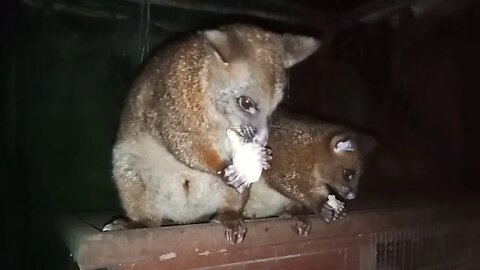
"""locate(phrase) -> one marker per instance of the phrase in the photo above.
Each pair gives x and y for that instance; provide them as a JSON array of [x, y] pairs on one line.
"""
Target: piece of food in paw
[[247, 159], [336, 205]]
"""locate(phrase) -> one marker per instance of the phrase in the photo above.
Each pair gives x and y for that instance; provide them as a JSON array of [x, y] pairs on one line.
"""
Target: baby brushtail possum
[[173, 155], [313, 161]]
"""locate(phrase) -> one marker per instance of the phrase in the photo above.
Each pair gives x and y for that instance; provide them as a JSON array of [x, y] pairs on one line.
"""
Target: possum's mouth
[[347, 193], [344, 192]]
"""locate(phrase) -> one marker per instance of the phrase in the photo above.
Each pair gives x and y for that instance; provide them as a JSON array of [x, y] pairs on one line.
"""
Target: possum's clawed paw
[[327, 213], [119, 223], [266, 157], [337, 206], [302, 225], [233, 178], [116, 224], [235, 230], [339, 214], [248, 159], [248, 133]]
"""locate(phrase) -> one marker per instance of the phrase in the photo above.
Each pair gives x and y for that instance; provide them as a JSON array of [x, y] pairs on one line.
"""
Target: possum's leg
[[316, 201], [230, 216], [299, 214]]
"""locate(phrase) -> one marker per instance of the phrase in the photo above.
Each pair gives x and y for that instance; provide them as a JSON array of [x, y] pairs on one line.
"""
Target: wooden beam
[[203, 245]]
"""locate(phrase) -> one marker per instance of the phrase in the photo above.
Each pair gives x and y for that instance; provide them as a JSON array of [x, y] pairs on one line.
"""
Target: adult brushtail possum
[[313, 161], [173, 157]]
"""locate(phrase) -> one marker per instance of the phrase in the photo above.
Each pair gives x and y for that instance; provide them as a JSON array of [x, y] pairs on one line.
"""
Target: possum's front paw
[[328, 214], [332, 209], [266, 157], [235, 231], [234, 179], [235, 228], [302, 225], [241, 175]]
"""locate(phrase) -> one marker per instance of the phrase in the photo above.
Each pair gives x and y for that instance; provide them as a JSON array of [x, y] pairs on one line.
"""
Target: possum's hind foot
[[119, 223]]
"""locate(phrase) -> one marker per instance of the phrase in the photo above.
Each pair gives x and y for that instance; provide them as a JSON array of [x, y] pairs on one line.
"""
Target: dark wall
[[12, 200], [468, 55]]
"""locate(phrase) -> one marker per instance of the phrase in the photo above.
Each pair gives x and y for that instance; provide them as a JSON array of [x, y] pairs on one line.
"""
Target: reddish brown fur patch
[[298, 159], [211, 158]]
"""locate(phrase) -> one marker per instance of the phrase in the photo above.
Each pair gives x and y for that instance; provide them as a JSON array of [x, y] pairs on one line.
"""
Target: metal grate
[[426, 247]]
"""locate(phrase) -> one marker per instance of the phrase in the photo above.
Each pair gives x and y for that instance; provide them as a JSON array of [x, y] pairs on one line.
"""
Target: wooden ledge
[[269, 242]]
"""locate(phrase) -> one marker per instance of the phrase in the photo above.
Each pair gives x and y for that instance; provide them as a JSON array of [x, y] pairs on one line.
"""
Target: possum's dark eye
[[247, 104], [348, 174]]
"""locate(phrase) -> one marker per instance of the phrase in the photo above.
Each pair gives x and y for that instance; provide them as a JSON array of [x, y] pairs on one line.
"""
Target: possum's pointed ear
[[297, 48], [351, 142], [343, 142], [227, 46]]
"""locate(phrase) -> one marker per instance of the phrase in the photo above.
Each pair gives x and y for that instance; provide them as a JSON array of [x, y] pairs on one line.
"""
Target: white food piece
[[247, 157], [335, 204]]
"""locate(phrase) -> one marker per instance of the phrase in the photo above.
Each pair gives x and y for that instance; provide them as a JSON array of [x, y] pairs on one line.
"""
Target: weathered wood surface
[[270, 243]]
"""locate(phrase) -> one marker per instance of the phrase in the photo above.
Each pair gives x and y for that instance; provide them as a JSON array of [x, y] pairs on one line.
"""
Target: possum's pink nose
[[262, 136], [347, 192]]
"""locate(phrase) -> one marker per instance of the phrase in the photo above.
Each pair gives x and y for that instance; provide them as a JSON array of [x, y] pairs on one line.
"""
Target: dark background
[[409, 78]]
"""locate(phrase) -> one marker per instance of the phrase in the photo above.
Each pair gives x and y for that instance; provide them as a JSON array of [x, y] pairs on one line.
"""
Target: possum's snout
[[261, 131], [262, 136], [347, 192]]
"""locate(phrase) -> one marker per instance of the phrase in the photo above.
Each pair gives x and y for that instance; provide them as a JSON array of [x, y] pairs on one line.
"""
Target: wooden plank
[[76, 234], [203, 245]]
